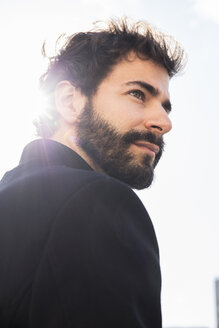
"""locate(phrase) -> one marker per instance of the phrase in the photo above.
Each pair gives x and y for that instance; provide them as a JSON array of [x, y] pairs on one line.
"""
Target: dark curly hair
[[87, 58]]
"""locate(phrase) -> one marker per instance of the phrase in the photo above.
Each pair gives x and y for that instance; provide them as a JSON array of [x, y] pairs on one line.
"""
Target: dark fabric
[[77, 248]]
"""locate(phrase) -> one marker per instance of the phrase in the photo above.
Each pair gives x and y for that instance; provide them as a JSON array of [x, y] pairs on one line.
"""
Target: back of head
[[88, 57]]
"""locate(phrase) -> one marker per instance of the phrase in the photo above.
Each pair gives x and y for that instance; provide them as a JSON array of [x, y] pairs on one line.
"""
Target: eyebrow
[[153, 91]]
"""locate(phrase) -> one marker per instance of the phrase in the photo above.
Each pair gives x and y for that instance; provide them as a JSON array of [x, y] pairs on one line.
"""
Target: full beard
[[109, 149]]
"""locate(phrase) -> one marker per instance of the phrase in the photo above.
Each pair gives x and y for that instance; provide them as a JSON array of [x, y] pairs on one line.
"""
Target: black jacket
[[77, 248]]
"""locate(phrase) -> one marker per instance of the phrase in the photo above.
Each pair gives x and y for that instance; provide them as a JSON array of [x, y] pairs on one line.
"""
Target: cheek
[[120, 112]]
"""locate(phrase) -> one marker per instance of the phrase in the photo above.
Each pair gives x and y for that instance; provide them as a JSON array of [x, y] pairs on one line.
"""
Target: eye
[[138, 94]]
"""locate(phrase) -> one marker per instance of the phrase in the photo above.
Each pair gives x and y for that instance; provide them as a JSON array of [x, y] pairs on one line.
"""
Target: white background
[[183, 199]]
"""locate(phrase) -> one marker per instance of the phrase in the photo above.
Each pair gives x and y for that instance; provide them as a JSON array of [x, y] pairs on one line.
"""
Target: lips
[[154, 148]]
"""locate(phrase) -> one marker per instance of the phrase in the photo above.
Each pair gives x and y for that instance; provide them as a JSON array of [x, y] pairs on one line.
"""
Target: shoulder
[[106, 206], [98, 188], [68, 181], [59, 195]]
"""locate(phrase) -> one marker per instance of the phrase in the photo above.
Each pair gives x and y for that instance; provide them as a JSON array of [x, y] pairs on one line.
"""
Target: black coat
[[77, 248]]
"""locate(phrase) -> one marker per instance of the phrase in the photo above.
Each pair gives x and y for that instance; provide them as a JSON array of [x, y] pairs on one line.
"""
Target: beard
[[109, 149]]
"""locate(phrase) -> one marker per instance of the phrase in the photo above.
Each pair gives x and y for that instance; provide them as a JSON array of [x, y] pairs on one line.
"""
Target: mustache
[[133, 136]]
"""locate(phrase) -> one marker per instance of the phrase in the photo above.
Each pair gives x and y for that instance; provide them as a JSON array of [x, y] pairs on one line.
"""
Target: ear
[[69, 101]]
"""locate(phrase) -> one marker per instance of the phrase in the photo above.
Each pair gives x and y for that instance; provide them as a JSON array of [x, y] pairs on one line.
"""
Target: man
[[78, 248]]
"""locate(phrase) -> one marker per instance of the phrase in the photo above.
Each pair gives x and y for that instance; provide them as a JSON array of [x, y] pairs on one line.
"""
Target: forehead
[[135, 69]]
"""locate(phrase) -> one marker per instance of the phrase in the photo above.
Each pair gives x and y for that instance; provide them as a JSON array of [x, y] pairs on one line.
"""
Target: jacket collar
[[49, 152]]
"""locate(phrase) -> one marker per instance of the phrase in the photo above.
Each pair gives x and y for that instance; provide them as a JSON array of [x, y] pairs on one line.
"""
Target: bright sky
[[183, 199]]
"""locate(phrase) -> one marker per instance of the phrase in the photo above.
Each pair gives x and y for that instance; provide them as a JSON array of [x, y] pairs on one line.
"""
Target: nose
[[158, 120]]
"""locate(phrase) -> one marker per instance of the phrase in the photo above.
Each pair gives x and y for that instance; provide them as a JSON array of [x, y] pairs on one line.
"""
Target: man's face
[[122, 125]]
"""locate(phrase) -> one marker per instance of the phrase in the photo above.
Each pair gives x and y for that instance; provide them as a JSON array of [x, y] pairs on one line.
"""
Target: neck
[[69, 140]]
